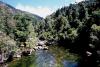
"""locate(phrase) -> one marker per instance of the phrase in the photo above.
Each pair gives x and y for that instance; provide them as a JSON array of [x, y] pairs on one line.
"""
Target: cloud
[[79, 0], [41, 11]]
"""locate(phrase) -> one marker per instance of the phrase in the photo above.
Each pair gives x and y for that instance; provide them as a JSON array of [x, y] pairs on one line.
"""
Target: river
[[45, 58]]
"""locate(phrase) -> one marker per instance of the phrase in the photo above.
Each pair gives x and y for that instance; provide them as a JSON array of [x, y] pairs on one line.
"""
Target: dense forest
[[75, 27]]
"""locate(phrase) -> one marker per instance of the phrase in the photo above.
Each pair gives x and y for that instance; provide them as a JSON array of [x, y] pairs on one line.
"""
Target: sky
[[42, 8]]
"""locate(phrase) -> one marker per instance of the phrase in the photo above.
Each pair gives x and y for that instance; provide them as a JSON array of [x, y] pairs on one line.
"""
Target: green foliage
[[95, 28], [31, 38], [72, 33]]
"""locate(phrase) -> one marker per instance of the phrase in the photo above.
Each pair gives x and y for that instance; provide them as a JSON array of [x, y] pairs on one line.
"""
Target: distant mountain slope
[[12, 10]]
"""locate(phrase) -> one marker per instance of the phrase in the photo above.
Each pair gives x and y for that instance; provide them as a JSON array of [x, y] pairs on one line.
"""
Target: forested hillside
[[76, 27]]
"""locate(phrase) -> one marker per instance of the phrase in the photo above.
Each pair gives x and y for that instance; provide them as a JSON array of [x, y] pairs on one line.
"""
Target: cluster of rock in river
[[41, 45]]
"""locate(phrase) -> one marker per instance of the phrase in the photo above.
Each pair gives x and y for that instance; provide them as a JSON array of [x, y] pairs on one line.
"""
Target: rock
[[88, 53], [17, 56], [25, 53], [91, 45], [51, 42], [31, 50], [10, 58], [41, 48], [45, 48], [1, 59], [40, 43], [35, 48]]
